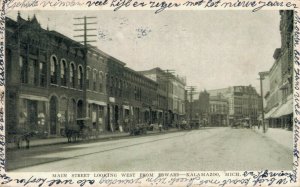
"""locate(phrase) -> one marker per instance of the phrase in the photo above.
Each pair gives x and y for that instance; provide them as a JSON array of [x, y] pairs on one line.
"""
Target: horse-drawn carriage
[[81, 129], [139, 129]]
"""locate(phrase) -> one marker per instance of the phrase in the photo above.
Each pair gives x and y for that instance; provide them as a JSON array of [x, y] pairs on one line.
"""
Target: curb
[[93, 139]]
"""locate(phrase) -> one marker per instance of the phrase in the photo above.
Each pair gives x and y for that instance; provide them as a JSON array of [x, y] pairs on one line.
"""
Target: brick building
[[52, 80], [44, 78], [170, 96], [96, 90]]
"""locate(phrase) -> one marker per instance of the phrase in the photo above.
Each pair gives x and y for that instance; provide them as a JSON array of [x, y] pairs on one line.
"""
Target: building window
[[53, 71], [94, 80], [63, 72], [88, 78], [42, 74], [101, 82], [23, 69], [33, 72], [80, 77], [72, 75]]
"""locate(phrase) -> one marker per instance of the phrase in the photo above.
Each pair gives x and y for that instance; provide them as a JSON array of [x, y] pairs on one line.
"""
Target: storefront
[[96, 113], [32, 114]]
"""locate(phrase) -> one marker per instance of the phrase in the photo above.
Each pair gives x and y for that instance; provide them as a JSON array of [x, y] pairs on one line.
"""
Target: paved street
[[203, 149]]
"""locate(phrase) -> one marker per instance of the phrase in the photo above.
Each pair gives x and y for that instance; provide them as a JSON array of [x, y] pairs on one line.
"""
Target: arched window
[[53, 70], [72, 75], [88, 78], [63, 72], [101, 82], [94, 79], [80, 77]]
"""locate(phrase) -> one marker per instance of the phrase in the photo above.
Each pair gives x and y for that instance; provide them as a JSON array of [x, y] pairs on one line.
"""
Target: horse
[[24, 137], [72, 132]]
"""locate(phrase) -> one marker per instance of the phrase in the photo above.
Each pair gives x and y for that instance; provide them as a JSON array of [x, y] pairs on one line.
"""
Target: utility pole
[[85, 41], [261, 78], [191, 91], [169, 74]]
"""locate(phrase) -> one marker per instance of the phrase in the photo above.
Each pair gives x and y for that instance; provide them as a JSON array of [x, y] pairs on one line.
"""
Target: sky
[[212, 49]]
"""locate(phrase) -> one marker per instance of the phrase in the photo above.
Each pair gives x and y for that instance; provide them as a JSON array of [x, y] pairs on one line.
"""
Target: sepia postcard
[[149, 93]]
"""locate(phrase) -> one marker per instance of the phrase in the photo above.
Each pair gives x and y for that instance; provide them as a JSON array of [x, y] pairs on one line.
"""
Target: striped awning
[[269, 114], [284, 109]]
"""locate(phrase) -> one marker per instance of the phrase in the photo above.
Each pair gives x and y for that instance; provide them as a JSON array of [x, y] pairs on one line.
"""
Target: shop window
[[23, 69], [94, 115], [32, 118], [63, 73], [53, 70], [80, 77]]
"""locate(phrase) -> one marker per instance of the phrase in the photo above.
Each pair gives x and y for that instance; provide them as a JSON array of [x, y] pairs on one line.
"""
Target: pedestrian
[[160, 127]]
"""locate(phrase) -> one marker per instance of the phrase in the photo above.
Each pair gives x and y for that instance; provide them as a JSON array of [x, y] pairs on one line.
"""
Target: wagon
[[81, 129]]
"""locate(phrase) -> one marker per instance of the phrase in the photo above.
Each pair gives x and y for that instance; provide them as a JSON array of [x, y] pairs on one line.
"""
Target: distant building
[[171, 95], [243, 102], [218, 114], [204, 107]]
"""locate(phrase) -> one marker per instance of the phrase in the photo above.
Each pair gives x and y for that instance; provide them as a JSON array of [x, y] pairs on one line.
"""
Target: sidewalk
[[60, 140], [279, 135]]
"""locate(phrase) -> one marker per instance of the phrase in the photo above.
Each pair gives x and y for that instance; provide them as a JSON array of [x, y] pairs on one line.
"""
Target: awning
[[269, 114], [34, 97], [96, 102], [126, 107], [284, 109]]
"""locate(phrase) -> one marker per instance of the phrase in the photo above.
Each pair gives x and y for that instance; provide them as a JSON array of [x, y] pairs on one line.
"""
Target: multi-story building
[[279, 102], [132, 96], [210, 110], [178, 98], [95, 83], [52, 80], [204, 107], [114, 87], [243, 102], [45, 73], [171, 95], [159, 76], [142, 96], [218, 113]]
